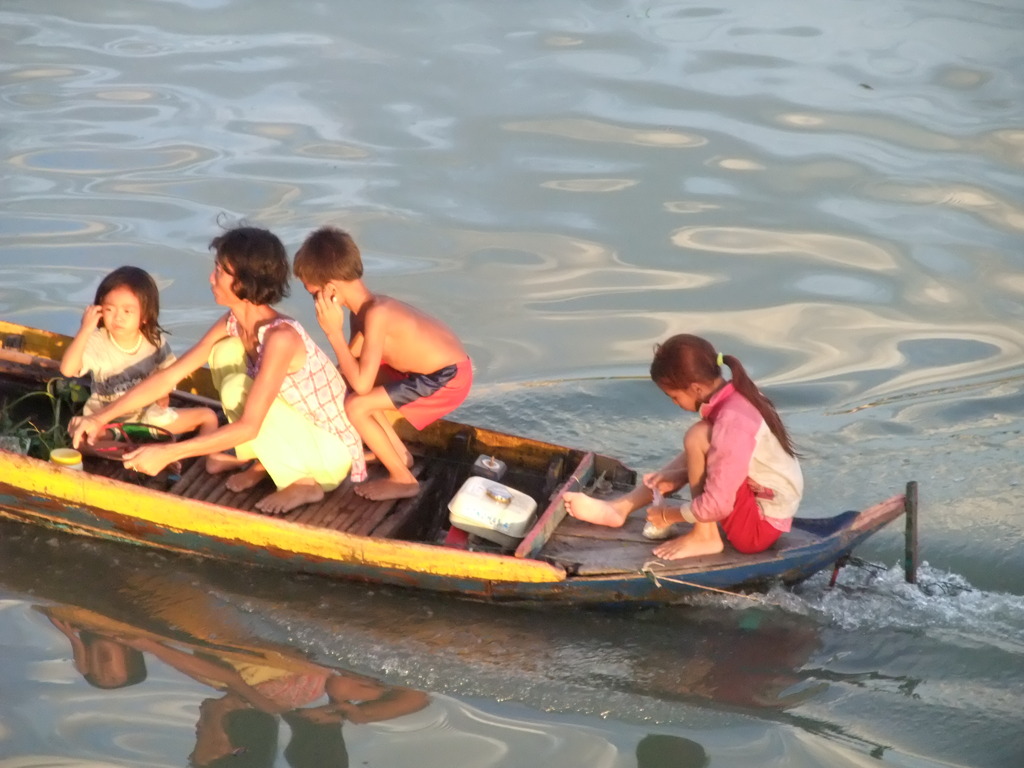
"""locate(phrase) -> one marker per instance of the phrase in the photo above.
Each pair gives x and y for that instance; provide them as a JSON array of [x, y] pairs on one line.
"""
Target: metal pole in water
[[910, 540]]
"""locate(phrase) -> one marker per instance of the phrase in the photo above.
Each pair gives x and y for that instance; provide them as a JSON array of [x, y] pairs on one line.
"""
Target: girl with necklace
[[120, 343]]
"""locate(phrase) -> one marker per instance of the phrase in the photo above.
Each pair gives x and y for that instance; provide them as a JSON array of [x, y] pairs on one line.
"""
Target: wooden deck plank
[[191, 474], [342, 520], [226, 498], [349, 513], [308, 512], [358, 509], [324, 511], [355, 511], [389, 525], [248, 499], [377, 511], [319, 513], [372, 516], [631, 530], [221, 494], [204, 486], [594, 556]]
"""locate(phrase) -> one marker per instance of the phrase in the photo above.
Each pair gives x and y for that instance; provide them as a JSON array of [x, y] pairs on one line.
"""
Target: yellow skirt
[[289, 446]]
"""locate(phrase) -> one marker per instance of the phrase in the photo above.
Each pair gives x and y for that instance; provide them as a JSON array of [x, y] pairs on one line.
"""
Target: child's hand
[[329, 312], [663, 482], [661, 515], [91, 317], [149, 459], [84, 428]]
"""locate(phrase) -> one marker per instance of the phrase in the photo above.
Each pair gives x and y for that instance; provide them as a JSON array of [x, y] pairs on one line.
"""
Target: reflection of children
[[120, 343], [240, 722], [738, 460], [102, 661], [396, 356]]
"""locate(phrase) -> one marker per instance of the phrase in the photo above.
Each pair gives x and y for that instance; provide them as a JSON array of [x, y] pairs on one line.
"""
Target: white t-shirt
[[114, 371]]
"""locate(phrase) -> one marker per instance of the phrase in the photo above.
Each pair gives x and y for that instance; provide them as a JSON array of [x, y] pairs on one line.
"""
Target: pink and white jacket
[[742, 447]]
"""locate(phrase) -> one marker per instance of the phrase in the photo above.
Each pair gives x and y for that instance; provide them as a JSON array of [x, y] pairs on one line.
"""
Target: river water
[[830, 191]]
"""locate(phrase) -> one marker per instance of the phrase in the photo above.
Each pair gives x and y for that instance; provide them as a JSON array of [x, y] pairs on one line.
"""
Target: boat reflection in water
[[250, 689], [288, 662]]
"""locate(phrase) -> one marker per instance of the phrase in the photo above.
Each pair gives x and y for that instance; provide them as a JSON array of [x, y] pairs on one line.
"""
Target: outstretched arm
[[394, 702], [283, 351], [149, 390], [205, 670]]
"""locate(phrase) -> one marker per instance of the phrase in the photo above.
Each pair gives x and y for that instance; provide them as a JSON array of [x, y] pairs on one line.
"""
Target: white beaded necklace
[[133, 350]]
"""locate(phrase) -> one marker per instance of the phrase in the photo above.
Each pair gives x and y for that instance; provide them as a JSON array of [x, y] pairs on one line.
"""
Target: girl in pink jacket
[[738, 460]]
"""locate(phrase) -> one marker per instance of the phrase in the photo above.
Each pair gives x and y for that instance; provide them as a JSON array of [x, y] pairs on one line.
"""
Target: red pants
[[745, 527]]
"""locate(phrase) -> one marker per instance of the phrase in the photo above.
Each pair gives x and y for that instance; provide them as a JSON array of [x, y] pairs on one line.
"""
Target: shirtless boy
[[397, 357]]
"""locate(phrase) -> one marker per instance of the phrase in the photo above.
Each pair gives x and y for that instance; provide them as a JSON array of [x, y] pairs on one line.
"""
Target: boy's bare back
[[413, 341]]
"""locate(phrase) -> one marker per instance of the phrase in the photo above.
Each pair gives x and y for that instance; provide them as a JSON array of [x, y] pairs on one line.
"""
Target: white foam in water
[[870, 596], [874, 597]]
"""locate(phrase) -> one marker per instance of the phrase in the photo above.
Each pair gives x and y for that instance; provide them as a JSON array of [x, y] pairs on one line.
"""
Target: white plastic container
[[492, 511], [68, 458]]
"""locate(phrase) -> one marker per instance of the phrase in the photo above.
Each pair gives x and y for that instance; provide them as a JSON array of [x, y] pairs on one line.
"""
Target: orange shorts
[[423, 398]]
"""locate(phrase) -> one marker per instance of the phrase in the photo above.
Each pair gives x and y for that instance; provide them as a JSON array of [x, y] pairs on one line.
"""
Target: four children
[[737, 459]]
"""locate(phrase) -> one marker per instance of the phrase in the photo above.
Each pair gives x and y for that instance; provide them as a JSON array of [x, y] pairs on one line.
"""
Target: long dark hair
[[142, 284], [685, 359]]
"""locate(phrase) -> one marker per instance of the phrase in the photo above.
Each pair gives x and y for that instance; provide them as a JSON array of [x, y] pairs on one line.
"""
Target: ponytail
[[746, 387]]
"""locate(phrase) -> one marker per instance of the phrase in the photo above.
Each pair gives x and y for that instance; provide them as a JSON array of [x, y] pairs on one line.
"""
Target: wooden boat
[[408, 542]]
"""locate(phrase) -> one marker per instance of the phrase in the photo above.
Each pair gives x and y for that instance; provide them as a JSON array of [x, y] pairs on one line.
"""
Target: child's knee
[[359, 407], [233, 390], [209, 421], [698, 438], [228, 353]]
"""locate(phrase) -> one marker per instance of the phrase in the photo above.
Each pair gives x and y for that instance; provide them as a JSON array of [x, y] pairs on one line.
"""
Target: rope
[[647, 571]]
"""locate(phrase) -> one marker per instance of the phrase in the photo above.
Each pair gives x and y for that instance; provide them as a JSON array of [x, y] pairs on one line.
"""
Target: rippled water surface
[[829, 191]]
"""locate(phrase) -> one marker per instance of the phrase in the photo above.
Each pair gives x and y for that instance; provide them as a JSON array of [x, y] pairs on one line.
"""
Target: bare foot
[[692, 544], [295, 495], [223, 462], [598, 511], [382, 489], [247, 478]]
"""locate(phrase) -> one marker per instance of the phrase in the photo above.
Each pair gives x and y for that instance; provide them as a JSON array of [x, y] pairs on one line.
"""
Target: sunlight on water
[[829, 193]]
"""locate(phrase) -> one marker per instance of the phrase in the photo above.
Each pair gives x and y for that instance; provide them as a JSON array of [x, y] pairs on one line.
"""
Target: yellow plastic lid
[[66, 456]]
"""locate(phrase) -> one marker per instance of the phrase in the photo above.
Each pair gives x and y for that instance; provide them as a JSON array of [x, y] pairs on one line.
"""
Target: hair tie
[[720, 360]]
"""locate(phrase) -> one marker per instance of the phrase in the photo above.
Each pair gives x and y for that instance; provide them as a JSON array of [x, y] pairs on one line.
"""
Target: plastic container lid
[[66, 457]]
